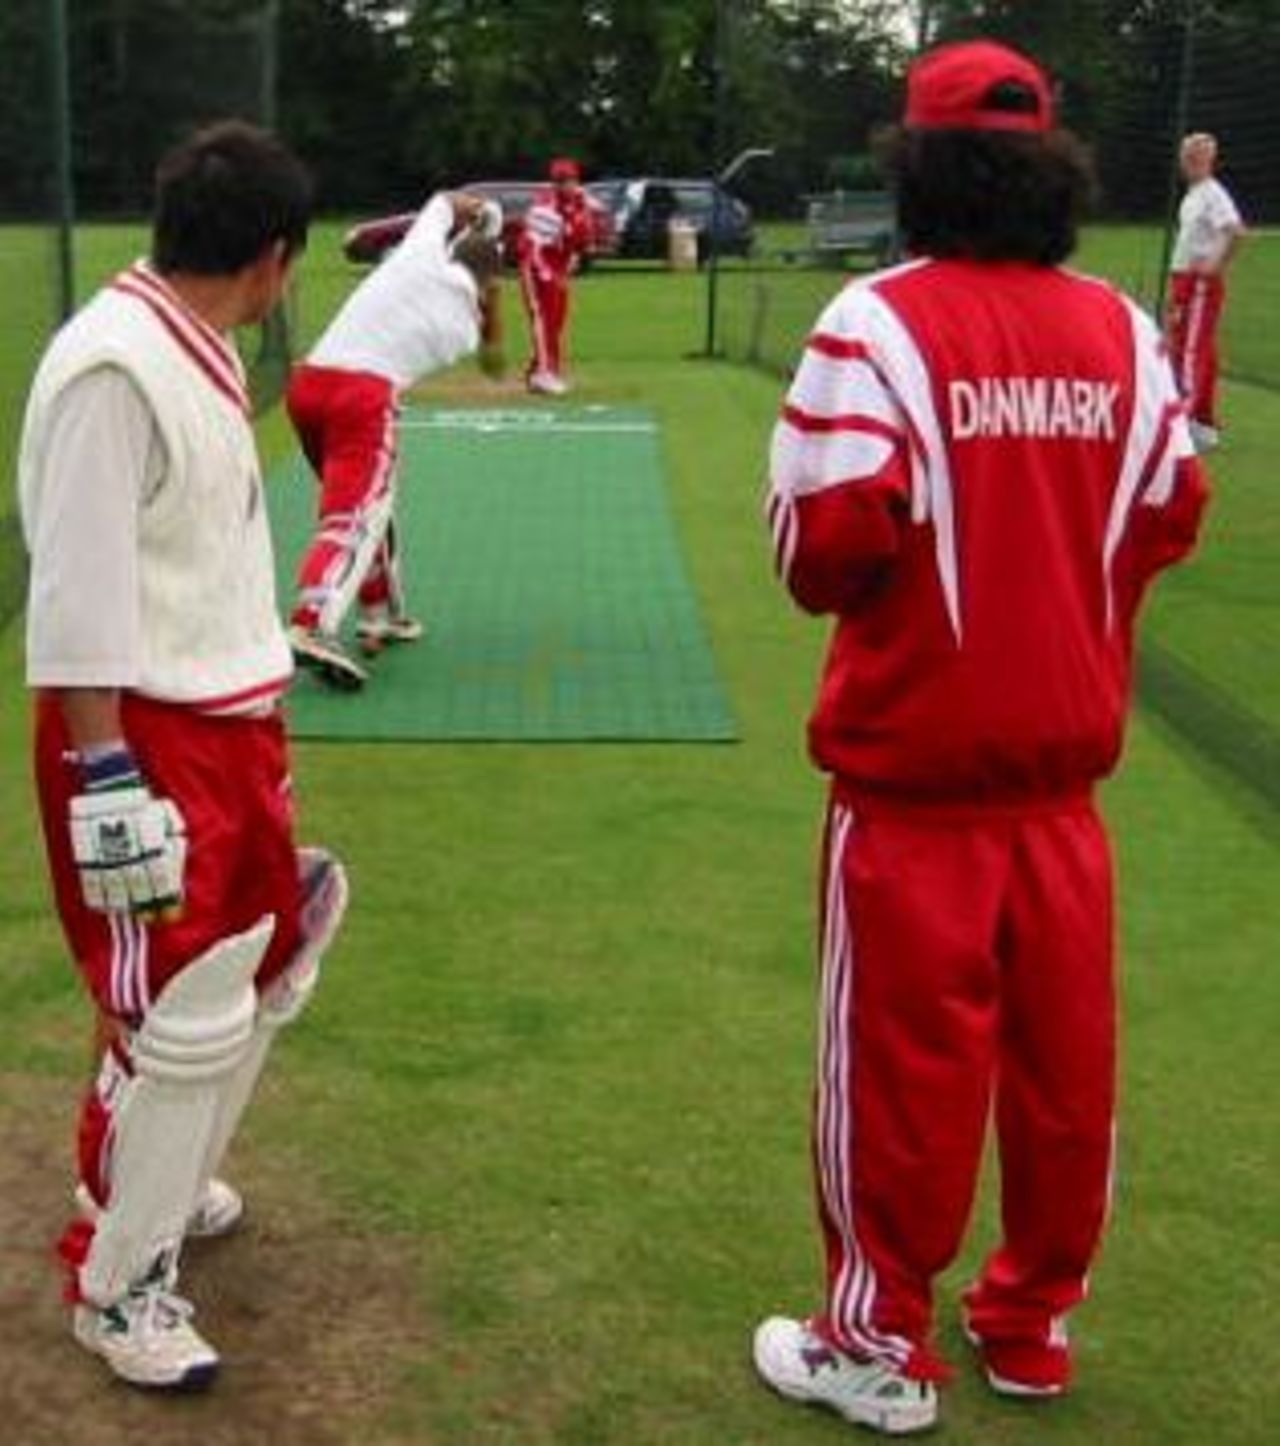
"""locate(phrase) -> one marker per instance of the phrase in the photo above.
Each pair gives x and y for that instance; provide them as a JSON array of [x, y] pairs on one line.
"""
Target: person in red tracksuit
[[557, 228], [982, 462]]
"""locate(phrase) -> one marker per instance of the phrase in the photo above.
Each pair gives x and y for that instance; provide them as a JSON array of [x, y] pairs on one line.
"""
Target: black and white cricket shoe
[[326, 658], [146, 1338]]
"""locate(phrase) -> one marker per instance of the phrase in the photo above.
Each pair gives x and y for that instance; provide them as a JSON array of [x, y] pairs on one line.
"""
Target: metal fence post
[[60, 91]]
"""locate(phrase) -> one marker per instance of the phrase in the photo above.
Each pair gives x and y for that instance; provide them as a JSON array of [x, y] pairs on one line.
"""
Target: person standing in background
[[553, 239], [1210, 229], [156, 651], [980, 466]]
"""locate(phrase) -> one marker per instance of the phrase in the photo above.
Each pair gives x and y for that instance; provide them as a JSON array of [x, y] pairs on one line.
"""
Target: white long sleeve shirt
[[417, 313]]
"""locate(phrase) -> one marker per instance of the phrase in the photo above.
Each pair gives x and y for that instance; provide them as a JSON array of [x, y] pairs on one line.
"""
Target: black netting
[[1192, 66]]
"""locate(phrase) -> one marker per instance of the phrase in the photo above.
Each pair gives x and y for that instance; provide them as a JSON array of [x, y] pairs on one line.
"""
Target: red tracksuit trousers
[[1196, 304], [966, 971], [229, 777], [546, 299], [346, 424]]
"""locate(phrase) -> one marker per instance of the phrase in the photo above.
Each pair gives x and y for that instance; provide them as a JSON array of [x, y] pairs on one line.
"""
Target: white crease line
[[529, 429]]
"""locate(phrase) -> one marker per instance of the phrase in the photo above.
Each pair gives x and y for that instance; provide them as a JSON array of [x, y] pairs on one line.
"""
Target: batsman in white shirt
[[158, 659], [433, 301]]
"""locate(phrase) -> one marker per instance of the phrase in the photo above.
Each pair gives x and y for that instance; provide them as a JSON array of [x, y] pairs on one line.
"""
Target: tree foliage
[[390, 98]]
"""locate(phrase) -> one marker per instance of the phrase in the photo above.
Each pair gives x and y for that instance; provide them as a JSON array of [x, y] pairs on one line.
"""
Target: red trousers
[[346, 424], [1195, 312], [229, 777], [546, 299], [966, 971]]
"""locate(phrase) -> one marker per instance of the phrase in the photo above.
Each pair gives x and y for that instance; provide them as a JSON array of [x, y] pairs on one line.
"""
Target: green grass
[[770, 303], [561, 1056]]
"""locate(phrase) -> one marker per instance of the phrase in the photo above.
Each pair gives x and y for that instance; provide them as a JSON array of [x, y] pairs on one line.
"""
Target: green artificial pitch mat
[[538, 548]]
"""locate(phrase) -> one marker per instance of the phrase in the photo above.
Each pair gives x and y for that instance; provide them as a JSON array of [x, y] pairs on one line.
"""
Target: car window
[[608, 193], [695, 200]]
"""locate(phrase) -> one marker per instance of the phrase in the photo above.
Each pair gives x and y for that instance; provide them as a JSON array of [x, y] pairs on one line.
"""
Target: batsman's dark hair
[[481, 255], [988, 195], [224, 196]]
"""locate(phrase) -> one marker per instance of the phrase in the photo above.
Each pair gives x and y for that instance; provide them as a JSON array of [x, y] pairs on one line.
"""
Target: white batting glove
[[129, 846]]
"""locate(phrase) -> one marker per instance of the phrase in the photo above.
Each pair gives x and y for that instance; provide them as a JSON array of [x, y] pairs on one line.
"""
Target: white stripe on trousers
[[541, 354], [853, 1293], [129, 990], [360, 538], [1194, 338]]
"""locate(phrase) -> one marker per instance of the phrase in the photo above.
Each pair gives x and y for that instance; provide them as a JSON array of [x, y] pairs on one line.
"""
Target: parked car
[[644, 207], [370, 241]]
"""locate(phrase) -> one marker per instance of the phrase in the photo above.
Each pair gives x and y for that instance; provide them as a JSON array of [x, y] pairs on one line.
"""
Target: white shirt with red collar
[[142, 506]]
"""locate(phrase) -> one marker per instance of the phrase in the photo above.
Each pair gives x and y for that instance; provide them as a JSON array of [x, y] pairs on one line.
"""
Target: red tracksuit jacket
[[978, 469]]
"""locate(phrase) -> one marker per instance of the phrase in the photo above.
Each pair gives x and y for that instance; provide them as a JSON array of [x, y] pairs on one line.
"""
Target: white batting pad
[[188, 1045], [324, 902], [369, 528]]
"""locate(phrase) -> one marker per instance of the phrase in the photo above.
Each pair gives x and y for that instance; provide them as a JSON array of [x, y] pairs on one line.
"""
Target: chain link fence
[[1206, 68]]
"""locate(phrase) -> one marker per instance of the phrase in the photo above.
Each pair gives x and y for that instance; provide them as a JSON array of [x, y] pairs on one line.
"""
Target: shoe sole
[[875, 1421], [193, 1380]]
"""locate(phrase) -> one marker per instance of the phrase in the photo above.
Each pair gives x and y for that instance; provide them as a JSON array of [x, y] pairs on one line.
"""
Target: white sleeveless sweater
[[209, 631]]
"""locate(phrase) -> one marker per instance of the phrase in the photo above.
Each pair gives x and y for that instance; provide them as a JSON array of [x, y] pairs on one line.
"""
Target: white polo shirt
[[1207, 219]]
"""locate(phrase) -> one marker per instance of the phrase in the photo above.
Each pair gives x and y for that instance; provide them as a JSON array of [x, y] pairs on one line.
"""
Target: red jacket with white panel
[[556, 231], [978, 470]]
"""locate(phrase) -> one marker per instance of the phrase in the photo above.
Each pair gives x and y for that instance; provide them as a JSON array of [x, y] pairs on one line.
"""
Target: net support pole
[[60, 89], [1181, 116], [717, 150], [269, 103]]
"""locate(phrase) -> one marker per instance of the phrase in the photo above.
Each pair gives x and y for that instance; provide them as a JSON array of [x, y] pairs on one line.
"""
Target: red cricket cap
[[563, 168], [959, 88]]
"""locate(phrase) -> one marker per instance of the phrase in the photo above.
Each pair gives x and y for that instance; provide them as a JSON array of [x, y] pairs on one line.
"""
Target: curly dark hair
[[224, 196], [990, 195]]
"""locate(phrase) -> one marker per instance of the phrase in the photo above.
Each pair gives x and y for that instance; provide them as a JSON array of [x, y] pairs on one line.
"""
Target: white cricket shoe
[[326, 658], [147, 1337], [802, 1367], [377, 630], [548, 383], [217, 1212], [1204, 438]]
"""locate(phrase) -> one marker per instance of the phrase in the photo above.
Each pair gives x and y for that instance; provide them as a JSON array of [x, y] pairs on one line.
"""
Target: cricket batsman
[[159, 662], [434, 300], [981, 464]]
